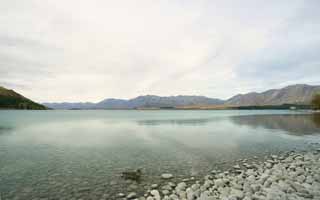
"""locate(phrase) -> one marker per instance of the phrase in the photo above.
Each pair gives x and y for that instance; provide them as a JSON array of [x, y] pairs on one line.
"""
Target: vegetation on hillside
[[316, 102], [9, 99]]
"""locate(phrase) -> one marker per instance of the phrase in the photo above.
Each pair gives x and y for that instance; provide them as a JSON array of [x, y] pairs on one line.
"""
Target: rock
[[190, 194], [166, 176], [251, 178], [171, 184], [154, 186], [132, 195], [181, 187], [132, 175], [290, 176], [268, 165], [237, 193], [219, 182], [174, 197], [236, 167], [214, 172], [155, 194], [133, 187], [84, 189], [166, 198], [182, 195], [121, 195], [208, 177], [165, 192], [166, 187]]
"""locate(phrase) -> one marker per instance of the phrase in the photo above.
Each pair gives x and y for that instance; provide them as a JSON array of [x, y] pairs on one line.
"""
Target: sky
[[89, 50]]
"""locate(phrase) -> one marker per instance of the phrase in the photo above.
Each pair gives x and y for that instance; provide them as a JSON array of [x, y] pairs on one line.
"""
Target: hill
[[283, 98], [9, 99], [293, 94], [147, 101]]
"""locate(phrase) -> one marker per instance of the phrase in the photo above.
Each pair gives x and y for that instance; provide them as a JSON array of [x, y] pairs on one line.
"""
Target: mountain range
[[147, 101], [9, 99], [300, 94], [293, 94]]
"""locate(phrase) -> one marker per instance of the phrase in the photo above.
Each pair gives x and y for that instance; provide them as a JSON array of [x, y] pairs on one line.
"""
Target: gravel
[[291, 176]]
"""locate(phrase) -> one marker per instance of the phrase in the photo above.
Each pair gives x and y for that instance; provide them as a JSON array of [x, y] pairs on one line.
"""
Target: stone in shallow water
[[171, 184], [165, 192], [154, 186], [132, 175], [181, 186], [166, 176], [237, 193], [166, 187], [214, 172], [84, 189], [236, 167], [155, 194], [121, 195], [219, 182], [132, 195]]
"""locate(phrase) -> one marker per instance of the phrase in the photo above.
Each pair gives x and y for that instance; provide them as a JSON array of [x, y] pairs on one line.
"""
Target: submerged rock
[[166, 176], [132, 175], [132, 195]]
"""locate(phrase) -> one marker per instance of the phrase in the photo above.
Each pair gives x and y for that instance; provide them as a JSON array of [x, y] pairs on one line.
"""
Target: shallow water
[[80, 154]]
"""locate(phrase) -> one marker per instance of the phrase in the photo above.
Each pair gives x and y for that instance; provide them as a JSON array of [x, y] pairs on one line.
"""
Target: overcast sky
[[89, 50]]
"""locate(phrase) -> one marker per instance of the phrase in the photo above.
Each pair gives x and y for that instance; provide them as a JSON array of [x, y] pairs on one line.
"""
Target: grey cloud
[[90, 50]]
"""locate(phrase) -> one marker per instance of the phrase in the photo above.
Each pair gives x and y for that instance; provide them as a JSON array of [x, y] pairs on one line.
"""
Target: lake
[[81, 154]]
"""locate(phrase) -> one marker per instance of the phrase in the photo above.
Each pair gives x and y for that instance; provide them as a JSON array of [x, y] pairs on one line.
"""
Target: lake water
[[80, 154]]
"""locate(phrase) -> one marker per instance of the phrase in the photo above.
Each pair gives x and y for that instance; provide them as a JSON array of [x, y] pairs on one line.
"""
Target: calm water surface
[[80, 154]]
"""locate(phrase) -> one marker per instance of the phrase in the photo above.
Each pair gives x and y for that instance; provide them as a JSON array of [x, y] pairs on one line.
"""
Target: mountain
[[9, 99], [152, 101], [293, 94], [69, 106], [148, 101]]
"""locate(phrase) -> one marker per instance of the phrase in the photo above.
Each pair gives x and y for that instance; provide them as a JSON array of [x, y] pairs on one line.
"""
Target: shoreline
[[287, 175]]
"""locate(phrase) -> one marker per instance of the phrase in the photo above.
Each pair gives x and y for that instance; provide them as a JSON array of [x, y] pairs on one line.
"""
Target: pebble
[[166, 176], [154, 186], [121, 195], [132, 195], [290, 176], [155, 194]]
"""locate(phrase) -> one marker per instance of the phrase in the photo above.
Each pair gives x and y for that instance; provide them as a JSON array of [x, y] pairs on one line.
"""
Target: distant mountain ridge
[[293, 94], [147, 101], [9, 99]]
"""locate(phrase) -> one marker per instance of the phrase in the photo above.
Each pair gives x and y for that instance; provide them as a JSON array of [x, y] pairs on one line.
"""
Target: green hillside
[[9, 99]]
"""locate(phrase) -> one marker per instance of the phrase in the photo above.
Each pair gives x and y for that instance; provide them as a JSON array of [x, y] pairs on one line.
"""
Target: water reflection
[[192, 122], [292, 124], [89, 149], [4, 130]]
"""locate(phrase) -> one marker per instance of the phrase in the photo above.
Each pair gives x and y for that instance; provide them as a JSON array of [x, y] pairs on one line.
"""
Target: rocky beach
[[290, 175]]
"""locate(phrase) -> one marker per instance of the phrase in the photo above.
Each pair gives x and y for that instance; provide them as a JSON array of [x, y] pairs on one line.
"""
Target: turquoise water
[[81, 154]]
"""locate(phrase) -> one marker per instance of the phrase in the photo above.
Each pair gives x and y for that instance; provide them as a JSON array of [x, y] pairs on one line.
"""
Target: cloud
[[80, 50]]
